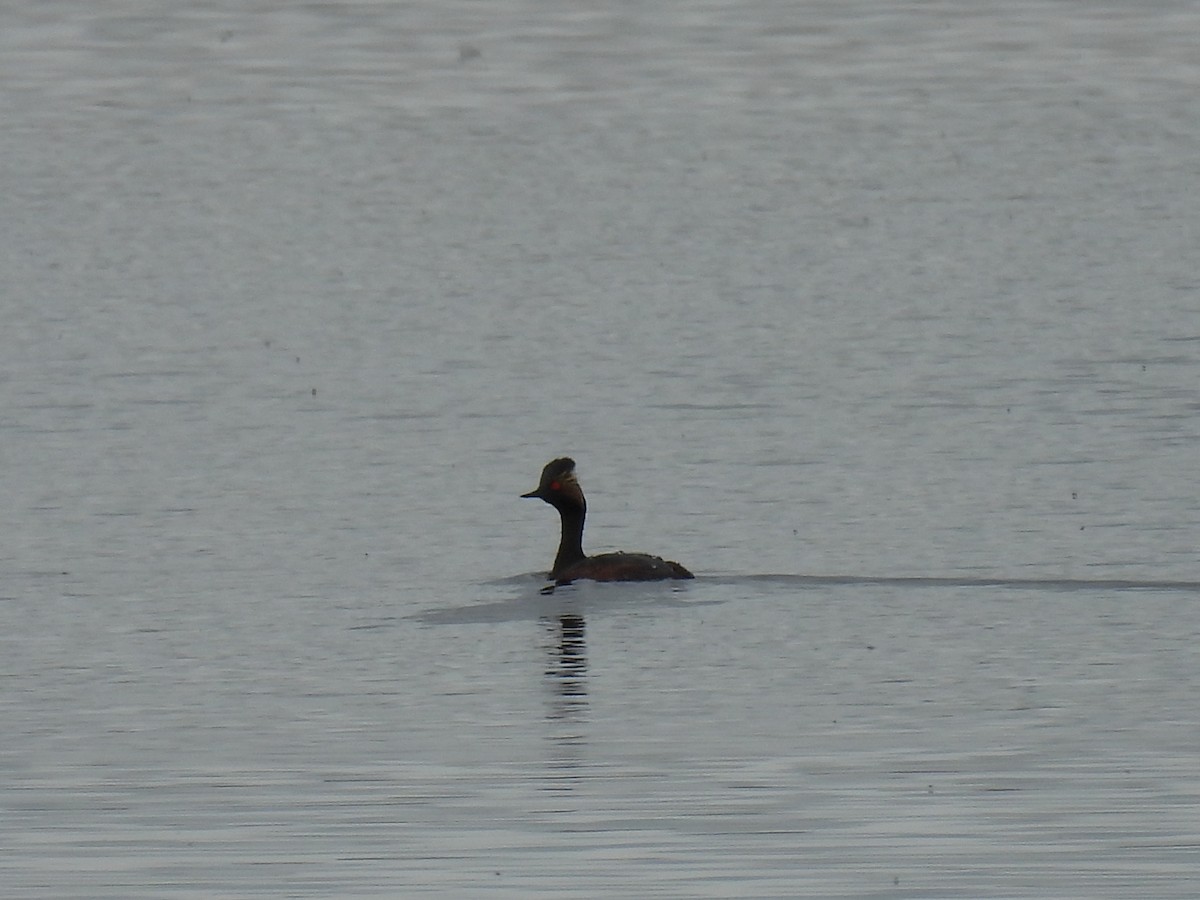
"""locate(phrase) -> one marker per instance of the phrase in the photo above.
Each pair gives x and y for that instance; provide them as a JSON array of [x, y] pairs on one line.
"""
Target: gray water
[[883, 318]]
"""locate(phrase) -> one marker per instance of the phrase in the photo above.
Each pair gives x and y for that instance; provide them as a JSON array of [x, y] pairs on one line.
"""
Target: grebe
[[561, 490]]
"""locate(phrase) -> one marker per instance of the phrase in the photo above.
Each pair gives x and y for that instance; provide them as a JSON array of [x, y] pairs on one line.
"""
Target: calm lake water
[[883, 318]]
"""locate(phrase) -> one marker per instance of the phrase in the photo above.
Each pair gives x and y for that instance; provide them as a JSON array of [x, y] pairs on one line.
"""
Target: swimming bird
[[560, 488]]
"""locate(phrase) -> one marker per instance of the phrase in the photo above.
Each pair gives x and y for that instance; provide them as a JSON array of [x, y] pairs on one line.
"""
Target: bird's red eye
[[555, 486]]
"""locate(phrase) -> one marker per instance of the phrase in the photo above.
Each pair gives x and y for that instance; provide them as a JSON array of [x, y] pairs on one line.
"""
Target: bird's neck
[[570, 545]]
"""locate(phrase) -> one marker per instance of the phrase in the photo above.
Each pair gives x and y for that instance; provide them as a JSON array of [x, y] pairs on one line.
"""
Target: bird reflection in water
[[568, 665], [566, 677]]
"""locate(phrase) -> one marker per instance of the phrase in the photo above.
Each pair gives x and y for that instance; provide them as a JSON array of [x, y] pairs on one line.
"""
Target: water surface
[[879, 317]]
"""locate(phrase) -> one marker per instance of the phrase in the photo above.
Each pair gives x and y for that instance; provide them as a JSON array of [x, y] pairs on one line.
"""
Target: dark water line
[[920, 581], [913, 581]]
